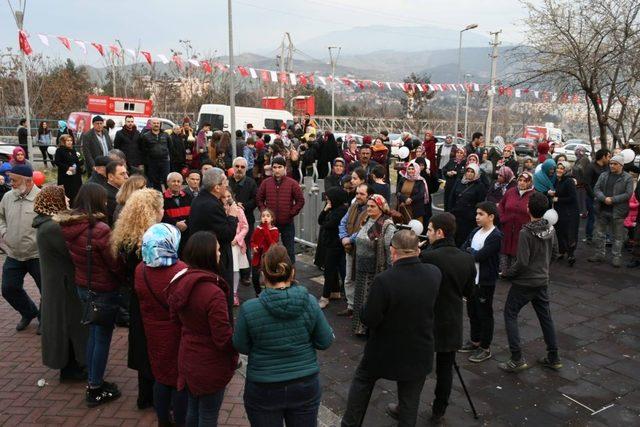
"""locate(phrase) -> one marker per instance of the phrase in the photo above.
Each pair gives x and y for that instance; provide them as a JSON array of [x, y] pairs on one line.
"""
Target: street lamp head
[[470, 27]]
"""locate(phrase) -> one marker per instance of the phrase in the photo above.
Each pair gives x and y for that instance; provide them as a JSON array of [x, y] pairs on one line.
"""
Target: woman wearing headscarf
[[485, 164], [565, 202], [424, 173], [372, 253], [334, 258], [153, 275], [327, 152], [452, 171], [19, 157], [63, 129], [543, 152], [513, 212], [64, 337], [466, 194], [544, 180], [508, 159], [338, 171], [504, 181], [412, 192], [475, 158], [351, 154]]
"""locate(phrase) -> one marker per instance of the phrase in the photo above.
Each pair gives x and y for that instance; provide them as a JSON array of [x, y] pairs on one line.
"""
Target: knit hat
[[97, 119], [22, 170], [279, 160], [618, 158]]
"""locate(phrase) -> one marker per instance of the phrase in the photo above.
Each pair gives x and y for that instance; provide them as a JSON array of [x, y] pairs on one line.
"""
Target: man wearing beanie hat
[[95, 143], [611, 196], [284, 197], [16, 219]]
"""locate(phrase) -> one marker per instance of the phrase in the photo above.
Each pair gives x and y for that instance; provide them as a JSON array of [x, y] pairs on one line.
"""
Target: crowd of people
[[164, 231]]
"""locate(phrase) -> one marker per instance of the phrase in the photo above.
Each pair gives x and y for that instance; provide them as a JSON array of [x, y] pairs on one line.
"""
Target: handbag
[[98, 310]]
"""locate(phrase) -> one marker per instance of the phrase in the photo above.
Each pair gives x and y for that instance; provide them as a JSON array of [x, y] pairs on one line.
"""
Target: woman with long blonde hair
[[134, 183], [143, 209]]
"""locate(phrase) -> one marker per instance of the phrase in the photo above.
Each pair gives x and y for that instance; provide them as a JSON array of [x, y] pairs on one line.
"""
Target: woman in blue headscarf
[[63, 129], [159, 265], [544, 180]]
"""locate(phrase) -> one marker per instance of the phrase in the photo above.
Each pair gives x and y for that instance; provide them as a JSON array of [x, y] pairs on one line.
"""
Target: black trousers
[[334, 258], [480, 311], [444, 381], [360, 394]]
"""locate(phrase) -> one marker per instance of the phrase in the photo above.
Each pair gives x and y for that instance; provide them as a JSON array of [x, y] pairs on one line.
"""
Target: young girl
[[238, 248], [264, 236]]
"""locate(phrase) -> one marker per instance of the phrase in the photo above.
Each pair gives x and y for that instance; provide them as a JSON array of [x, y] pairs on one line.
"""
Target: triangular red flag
[[114, 49], [178, 60], [380, 85], [360, 84], [302, 79], [23, 41], [346, 81], [206, 67], [99, 48], [65, 41], [265, 75], [312, 79], [147, 56], [243, 71], [282, 77]]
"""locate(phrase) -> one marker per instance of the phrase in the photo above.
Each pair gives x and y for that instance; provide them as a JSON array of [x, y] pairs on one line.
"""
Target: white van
[[217, 115]]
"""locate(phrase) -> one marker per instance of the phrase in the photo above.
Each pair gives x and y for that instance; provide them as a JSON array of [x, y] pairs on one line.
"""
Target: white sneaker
[[324, 302]]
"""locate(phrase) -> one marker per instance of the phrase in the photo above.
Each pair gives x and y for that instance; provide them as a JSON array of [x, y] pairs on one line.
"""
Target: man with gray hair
[[399, 314], [208, 213], [244, 190]]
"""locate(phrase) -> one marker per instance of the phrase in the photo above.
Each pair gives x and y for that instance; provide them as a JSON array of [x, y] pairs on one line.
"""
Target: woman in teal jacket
[[280, 331]]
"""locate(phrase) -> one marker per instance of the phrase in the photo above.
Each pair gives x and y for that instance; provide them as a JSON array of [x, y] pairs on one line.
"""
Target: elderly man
[[177, 203], [99, 172], [208, 213], [612, 193], [284, 197], [155, 148], [95, 143], [245, 190], [16, 218], [400, 316], [193, 183]]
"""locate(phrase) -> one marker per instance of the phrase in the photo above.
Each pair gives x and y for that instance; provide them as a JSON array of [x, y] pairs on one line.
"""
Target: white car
[[6, 151], [570, 147], [343, 135]]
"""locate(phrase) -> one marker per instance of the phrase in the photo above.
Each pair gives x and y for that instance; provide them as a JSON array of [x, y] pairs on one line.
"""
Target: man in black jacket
[[99, 172], [245, 190], [591, 174], [529, 276], [209, 214], [177, 150], [458, 276], [127, 140], [116, 177], [155, 149], [399, 314]]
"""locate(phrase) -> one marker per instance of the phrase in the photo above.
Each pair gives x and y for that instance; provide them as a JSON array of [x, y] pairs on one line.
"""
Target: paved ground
[[596, 310]]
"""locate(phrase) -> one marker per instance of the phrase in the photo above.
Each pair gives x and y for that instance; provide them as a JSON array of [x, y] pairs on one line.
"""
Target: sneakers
[[616, 262], [551, 364], [480, 355], [324, 302], [469, 347], [103, 394], [347, 312], [23, 323], [596, 258], [236, 300], [513, 365]]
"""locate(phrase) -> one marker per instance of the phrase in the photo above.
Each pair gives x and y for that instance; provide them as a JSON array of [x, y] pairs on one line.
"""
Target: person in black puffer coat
[[127, 140], [155, 148], [177, 151], [466, 194]]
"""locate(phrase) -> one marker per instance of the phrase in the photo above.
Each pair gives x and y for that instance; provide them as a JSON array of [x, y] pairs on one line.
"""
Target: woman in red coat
[[514, 214], [159, 265], [198, 300]]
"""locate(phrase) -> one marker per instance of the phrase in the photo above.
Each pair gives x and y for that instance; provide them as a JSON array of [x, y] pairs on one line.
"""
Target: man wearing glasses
[[244, 190]]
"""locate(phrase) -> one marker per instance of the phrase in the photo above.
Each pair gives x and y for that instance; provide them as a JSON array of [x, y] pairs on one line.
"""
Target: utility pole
[[466, 108], [334, 61], [18, 15], [494, 65], [455, 130], [285, 65], [232, 86], [281, 63], [113, 73], [122, 59]]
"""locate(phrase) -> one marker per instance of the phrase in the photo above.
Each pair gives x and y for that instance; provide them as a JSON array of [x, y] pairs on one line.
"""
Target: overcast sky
[[258, 24]]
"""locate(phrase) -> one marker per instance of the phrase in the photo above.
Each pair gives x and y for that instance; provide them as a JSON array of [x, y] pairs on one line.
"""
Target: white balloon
[[552, 216], [416, 226], [52, 150], [628, 155], [403, 152]]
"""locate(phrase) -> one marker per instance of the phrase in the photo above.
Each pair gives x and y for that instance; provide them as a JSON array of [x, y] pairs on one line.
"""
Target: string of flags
[[303, 79]]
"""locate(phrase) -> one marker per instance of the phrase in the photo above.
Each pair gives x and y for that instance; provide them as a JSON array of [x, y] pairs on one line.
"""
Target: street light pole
[[232, 89], [455, 130], [334, 61], [466, 107]]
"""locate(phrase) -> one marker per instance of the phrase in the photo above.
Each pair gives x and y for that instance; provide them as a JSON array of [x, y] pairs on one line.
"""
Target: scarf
[[62, 126], [375, 231], [160, 245], [476, 175], [542, 182], [507, 173], [416, 177]]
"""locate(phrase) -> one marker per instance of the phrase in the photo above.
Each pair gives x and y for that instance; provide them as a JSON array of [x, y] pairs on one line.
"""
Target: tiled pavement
[[597, 314]]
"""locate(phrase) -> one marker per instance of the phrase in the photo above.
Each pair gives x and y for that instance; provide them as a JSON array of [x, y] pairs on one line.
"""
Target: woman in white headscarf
[[467, 193]]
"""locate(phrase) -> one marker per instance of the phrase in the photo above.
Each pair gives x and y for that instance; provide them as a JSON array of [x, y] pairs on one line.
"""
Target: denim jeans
[[360, 393], [518, 297], [607, 224], [167, 399], [294, 402], [202, 411], [157, 173], [591, 217], [480, 311], [99, 342], [349, 281], [288, 235], [13, 272]]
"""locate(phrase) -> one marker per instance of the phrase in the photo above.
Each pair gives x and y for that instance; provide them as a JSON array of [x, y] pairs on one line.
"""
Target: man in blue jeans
[[16, 218], [529, 276]]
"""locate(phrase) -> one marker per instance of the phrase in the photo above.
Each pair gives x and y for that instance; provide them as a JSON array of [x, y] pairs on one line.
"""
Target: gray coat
[[91, 148], [61, 309], [622, 191]]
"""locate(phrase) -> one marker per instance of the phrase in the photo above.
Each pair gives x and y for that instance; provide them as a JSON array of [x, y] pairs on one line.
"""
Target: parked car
[[343, 135], [525, 147], [6, 150], [569, 149]]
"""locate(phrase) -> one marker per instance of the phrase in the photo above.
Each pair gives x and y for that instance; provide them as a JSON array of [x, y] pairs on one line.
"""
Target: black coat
[[91, 148], [458, 277], [111, 202], [329, 222], [400, 315], [64, 159], [488, 257], [417, 196], [177, 153], [464, 198], [450, 181], [568, 214], [245, 192], [129, 144], [327, 153]]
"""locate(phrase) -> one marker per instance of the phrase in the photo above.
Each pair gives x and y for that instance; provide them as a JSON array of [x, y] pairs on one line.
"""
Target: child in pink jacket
[[238, 248]]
